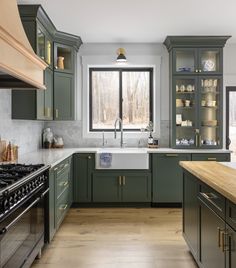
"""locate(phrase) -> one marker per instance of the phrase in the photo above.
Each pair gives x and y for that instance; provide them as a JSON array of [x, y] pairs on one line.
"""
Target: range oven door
[[21, 231]]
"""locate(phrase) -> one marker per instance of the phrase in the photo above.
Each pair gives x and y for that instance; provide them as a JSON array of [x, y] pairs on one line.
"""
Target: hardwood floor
[[119, 238]]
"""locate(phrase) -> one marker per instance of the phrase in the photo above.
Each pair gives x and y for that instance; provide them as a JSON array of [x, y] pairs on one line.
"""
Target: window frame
[[120, 70]]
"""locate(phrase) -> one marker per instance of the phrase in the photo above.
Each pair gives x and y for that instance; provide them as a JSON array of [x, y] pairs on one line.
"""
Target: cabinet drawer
[[62, 182], [62, 206], [212, 199], [62, 167], [231, 214], [211, 157]]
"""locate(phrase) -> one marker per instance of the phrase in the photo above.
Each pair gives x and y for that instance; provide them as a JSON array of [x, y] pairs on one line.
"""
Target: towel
[[105, 160]]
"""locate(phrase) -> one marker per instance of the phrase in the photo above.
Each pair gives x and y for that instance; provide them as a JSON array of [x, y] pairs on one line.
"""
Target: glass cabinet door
[[41, 43], [210, 115], [63, 58], [210, 61], [185, 61], [185, 111]]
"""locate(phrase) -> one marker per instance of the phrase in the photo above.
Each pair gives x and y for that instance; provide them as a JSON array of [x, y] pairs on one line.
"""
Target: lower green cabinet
[[231, 252], [60, 194], [222, 157], [168, 177], [121, 186], [83, 168], [106, 187]]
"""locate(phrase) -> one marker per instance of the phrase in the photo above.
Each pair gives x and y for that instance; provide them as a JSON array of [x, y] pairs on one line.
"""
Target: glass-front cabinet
[[196, 79], [198, 60], [197, 112]]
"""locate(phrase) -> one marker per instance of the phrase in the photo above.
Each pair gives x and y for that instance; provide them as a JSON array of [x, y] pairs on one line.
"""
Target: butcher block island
[[209, 212]]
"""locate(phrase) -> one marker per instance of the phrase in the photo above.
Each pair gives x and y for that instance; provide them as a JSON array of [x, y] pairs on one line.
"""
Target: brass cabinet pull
[[89, 157], [64, 183], [63, 207], [119, 180], [211, 159], [56, 168], [56, 113], [223, 241], [123, 180], [172, 155]]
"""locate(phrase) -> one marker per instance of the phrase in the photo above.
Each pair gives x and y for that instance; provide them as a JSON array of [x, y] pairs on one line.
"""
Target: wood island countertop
[[218, 176]]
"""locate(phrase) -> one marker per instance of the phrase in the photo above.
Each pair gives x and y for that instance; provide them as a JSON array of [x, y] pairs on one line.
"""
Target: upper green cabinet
[[58, 50], [196, 90], [65, 61]]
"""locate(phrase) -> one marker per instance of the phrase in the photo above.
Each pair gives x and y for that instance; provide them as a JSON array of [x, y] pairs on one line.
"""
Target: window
[[124, 93]]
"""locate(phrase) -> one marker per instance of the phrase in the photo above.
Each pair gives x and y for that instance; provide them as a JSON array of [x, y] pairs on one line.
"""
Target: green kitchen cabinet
[[122, 186], [60, 194], [64, 96], [167, 181], [231, 252], [34, 104], [196, 91], [136, 187], [190, 213], [83, 169], [106, 187], [212, 255], [222, 157]]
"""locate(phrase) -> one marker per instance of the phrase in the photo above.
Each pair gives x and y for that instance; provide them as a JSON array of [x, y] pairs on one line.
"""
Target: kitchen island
[[209, 212]]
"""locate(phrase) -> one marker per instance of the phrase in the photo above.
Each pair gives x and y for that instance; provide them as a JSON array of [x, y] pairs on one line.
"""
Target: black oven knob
[[19, 195], [6, 205], [11, 201]]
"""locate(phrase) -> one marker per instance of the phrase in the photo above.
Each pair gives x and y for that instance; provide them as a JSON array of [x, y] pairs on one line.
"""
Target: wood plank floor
[[118, 238]]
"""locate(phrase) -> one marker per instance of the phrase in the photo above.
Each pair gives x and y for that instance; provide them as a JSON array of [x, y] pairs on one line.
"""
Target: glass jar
[[47, 138]]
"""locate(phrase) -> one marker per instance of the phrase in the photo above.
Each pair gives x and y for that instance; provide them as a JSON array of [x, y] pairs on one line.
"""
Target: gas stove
[[12, 173], [23, 207]]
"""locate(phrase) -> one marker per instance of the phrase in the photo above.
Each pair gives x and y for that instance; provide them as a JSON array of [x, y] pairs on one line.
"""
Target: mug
[[187, 103]]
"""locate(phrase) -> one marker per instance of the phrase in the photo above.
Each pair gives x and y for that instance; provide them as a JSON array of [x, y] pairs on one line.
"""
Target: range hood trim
[[17, 58]]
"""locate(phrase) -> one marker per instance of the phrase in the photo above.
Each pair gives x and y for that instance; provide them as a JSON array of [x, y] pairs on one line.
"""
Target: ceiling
[[140, 21]]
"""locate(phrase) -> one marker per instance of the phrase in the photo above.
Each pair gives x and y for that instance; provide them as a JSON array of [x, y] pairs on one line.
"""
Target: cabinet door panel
[[231, 253], [48, 95], [63, 96], [106, 187], [168, 177], [212, 255], [191, 213], [83, 168], [136, 188]]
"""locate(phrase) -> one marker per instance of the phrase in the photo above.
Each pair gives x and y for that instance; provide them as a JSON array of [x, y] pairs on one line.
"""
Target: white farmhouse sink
[[123, 158]]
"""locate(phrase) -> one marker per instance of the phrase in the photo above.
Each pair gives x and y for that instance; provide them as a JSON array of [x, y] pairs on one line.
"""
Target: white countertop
[[52, 157]]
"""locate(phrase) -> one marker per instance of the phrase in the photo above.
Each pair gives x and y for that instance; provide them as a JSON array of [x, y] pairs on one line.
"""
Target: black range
[[23, 203]]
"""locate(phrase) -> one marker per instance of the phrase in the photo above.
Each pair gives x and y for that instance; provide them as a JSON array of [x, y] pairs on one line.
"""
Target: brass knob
[[199, 71], [196, 71], [89, 157]]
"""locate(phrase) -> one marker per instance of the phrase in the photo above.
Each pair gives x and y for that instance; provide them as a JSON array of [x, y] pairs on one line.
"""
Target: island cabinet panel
[[190, 213], [224, 157], [231, 250], [212, 254], [167, 177], [122, 186], [83, 168]]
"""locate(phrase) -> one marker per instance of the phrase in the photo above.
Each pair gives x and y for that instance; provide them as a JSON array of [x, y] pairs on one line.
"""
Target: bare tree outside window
[[136, 97], [124, 93]]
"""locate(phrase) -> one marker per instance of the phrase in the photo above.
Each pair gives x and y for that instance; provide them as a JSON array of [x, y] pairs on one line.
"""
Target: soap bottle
[[150, 139]]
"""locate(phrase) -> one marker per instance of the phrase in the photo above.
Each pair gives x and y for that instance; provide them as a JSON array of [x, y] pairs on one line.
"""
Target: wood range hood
[[20, 67]]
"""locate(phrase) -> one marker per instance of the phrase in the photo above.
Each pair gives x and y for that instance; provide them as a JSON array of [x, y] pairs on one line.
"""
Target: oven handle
[[5, 229]]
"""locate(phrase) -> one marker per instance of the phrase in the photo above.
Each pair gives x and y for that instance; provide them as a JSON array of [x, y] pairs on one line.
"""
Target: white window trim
[[133, 62]]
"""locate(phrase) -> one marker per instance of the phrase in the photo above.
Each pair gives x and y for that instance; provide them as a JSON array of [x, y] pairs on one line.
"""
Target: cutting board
[[3, 145]]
